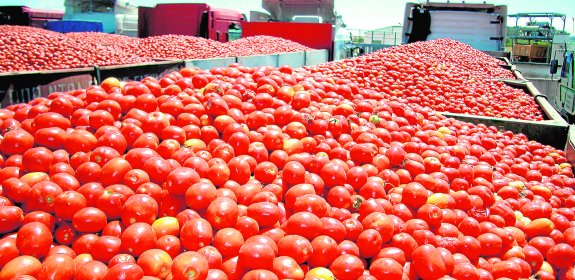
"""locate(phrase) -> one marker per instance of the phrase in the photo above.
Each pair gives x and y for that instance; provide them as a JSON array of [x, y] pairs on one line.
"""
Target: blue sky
[[357, 14]]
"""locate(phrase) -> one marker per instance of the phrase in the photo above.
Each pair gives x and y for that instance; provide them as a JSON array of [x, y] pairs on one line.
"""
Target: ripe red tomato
[[189, 265], [428, 262], [91, 270], [180, 179], [16, 141], [139, 208], [195, 234], [125, 271], [222, 212], [69, 203], [266, 214], [305, 224], [386, 268], [228, 241], [347, 267], [255, 255], [369, 243], [287, 268], [155, 262], [11, 218], [20, 266], [296, 247], [137, 238], [414, 195], [34, 239], [89, 219], [561, 255], [37, 159], [8, 249], [58, 266], [114, 171]]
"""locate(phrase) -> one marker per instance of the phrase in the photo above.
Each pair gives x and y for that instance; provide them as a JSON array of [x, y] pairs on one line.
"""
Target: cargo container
[[194, 19]]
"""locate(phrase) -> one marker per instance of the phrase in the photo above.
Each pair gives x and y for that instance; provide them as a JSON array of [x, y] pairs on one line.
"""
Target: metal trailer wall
[[552, 131]]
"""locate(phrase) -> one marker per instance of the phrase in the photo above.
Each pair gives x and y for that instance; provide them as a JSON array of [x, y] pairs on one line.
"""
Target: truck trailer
[[193, 19], [483, 26]]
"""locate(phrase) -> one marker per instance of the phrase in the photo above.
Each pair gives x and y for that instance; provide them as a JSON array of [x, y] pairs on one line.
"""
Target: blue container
[[65, 26]]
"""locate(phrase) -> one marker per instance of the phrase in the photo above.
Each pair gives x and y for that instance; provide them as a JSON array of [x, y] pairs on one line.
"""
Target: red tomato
[[21, 265], [228, 242], [260, 274], [347, 267], [561, 255], [256, 255], [414, 195], [180, 179], [11, 218], [386, 268], [222, 212], [287, 268], [266, 214], [91, 270], [212, 255], [37, 159], [195, 234], [8, 250], [34, 239], [105, 248], [89, 219], [42, 196], [16, 141], [305, 224], [139, 208], [68, 203], [155, 262], [58, 266], [169, 244], [189, 265], [428, 262], [114, 171], [128, 271], [137, 238], [296, 247]]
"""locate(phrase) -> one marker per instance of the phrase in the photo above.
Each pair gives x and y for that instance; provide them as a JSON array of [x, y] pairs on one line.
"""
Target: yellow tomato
[[320, 273]]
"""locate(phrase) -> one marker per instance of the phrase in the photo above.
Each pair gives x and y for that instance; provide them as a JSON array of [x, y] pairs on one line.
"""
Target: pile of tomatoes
[[443, 74], [28, 49], [260, 45], [274, 173], [182, 47]]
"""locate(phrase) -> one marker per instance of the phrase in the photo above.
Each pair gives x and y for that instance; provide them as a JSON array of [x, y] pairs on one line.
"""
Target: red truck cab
[[194, 19]]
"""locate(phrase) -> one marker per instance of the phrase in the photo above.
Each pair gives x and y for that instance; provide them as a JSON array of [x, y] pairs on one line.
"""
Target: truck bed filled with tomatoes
[[33, 49], [345, 170]]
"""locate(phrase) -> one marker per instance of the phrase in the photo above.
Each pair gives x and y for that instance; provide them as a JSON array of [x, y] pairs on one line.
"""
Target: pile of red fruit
[[182, 47], [260, 45], [121, 42], [442, 74], [264, 173], [29, 49]]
